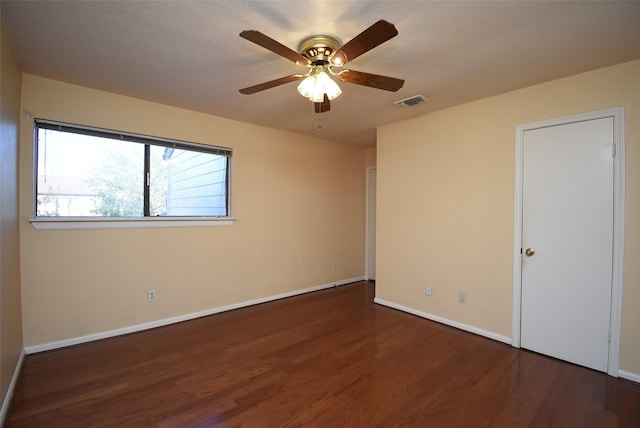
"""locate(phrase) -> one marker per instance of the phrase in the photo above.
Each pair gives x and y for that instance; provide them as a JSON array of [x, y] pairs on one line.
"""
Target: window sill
[[79, 223]]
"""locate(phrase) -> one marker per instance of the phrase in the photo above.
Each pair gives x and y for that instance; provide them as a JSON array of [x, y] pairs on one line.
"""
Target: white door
[[567, 236], [371, 223]]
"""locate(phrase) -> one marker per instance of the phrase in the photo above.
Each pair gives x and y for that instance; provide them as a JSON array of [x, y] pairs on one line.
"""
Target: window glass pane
[[187, 183], [81, 175], [83, 171]]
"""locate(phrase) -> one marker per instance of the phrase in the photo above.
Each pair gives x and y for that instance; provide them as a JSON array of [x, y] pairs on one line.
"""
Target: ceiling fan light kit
[[319, 53], [318, 83]]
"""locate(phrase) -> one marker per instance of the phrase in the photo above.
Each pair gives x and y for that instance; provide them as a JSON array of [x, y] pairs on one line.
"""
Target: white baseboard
[[629, 376], [7, 398], [159, 323], [465, 327]]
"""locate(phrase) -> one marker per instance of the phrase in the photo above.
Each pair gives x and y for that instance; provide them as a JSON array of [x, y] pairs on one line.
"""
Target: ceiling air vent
[[412, 101]]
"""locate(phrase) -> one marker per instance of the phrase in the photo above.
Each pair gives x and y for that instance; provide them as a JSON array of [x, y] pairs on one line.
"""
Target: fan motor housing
[[318, 48]]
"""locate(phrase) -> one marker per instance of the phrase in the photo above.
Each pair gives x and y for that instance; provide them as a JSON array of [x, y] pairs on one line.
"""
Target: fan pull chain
[[313, 124]]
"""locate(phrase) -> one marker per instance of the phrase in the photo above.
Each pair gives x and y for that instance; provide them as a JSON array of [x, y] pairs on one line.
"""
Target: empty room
[[319, 213]]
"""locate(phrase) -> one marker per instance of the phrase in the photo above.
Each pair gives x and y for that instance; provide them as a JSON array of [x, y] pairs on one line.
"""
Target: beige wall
[[370, 156], [446, 194], [299, 204], [10, 306]]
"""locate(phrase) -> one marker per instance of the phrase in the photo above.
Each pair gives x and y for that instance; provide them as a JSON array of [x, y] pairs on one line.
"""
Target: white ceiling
[[188, 53]]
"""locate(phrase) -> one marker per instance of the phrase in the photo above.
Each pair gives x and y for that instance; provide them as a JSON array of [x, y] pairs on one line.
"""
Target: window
[[90, 172]]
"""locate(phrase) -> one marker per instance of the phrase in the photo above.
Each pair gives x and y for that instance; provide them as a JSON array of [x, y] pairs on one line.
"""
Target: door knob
[[529, 252]]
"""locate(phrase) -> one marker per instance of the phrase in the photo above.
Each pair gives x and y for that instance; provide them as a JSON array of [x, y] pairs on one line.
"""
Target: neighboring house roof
[[64, 186]]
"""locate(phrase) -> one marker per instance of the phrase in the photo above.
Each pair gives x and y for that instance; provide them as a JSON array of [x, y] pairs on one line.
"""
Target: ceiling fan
[[320, 53]]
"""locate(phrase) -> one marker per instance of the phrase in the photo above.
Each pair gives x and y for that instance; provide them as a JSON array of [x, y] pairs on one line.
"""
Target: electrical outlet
[[462, 297], [428, 290], [333, 265], [152, 295]]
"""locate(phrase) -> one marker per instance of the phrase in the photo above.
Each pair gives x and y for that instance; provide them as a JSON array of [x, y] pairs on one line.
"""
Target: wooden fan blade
[[325, 105], [372, 80], [373, 36], [270, 84], [276, 47]]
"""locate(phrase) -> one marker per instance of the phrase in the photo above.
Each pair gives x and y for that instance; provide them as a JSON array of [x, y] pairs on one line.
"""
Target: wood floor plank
[[325, 359]]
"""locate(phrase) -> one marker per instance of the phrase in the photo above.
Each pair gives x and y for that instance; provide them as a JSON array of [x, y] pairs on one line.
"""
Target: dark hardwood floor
[[327, 359]]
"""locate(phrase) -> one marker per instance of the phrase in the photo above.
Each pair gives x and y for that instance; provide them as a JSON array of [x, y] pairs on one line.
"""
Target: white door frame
[[369, 169], [618, 225]]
